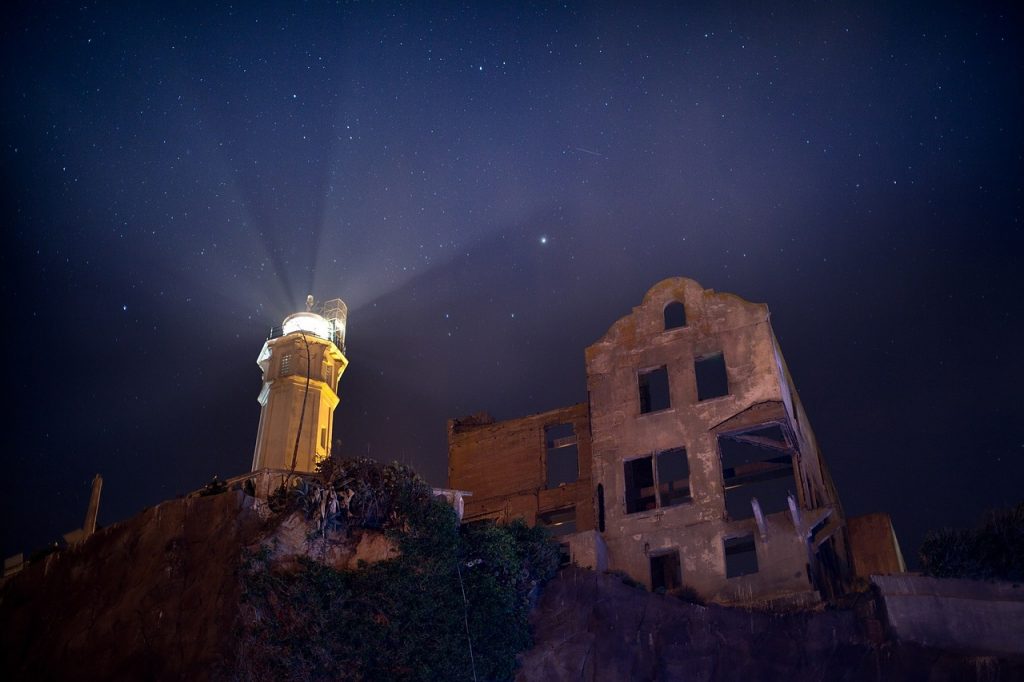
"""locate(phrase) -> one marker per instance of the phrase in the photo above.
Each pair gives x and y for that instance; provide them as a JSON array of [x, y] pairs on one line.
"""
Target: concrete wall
[[759, 392], [587, 550], [963, 615], [503, 465]]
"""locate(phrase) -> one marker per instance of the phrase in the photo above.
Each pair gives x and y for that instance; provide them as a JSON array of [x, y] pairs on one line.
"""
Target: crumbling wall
[[503, 465], [758, 394]]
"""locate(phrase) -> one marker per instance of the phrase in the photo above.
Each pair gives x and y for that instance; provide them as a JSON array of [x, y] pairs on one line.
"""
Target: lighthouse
[[302, 361]]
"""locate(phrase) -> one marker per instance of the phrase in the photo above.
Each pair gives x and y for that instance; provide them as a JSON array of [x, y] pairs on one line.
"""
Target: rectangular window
[[560, 521], [756, 463], [286, 364], [661, 481], [665, 572], [740, 556], [323, 438], [673, 477], [561, 455], [653, 385], [712, 380], [639, 485]]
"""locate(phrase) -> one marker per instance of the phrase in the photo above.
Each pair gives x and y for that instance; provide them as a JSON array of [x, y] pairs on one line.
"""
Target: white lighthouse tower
[[302, 361]]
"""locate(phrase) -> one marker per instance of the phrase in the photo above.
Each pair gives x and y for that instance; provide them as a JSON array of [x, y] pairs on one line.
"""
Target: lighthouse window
[[286, 364]]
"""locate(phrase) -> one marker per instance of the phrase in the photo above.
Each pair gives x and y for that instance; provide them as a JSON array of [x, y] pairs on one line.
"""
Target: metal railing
[[277, 332]]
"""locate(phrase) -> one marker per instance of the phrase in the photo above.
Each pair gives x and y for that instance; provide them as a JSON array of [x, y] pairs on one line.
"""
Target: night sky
[[489, 188]]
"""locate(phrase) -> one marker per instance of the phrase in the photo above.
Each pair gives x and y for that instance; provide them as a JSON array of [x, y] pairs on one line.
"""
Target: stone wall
[[961, 615]]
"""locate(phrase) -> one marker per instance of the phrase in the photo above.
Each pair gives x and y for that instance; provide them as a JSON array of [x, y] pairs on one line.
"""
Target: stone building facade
[[695, 463]]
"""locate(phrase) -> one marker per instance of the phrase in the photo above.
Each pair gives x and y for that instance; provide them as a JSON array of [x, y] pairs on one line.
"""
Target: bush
[[689, 594], [403, 618], [992, 551]]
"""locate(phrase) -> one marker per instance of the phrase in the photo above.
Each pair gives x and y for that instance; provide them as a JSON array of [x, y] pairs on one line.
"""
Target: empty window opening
[[659, 481], [323, 438], [673, 477], [653, 385], [675, 315], [740, 556], [712, 381], [828, 569], [600, 507], [639, 485], [756, 463], [561, 455], [666, 574], [560, 521]]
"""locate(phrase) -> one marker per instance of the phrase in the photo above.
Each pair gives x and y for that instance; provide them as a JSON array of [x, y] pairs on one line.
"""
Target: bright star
[[543, 239]]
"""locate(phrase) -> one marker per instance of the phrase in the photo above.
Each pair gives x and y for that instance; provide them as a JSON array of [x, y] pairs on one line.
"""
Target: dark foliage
[[403, 618], [688, 594], [992, 551]]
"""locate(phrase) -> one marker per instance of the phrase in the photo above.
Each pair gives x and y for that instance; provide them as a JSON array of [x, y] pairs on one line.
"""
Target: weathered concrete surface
[[760, 394], [591, 626], [154, 597], [587, 550], [964, 615]]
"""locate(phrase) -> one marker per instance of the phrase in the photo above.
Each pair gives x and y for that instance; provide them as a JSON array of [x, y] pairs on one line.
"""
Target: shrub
[[992, 551], [689, 594], [403, 618]]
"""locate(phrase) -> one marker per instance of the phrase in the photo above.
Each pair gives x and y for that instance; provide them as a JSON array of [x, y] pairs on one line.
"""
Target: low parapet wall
[[964, 615]]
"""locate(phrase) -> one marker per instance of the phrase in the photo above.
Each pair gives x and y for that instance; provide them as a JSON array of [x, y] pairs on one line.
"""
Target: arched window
[[675, 315]]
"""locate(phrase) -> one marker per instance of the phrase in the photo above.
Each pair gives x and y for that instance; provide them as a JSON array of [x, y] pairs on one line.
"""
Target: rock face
[[591, 626], [157, 596]]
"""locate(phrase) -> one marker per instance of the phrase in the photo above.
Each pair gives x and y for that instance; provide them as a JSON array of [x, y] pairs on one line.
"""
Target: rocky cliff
[[157, 596], [160, 597], [591, 626]]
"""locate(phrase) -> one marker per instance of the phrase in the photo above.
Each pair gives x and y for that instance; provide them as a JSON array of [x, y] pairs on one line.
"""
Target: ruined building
[[693, 463]]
